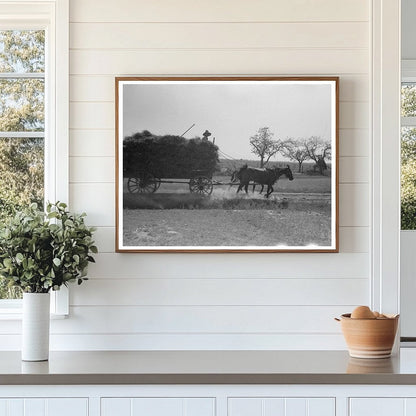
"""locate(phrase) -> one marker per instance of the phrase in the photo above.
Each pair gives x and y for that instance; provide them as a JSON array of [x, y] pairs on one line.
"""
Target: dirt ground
[[214, 227], [298, 213]]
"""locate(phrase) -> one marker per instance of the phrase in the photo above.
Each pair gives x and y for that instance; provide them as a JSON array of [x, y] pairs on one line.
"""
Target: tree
[[294, 149], [22, 174], [408, 144], [408, 100], [263, 145], [21, 110], [408, 195], [408, 160], [318, 150]]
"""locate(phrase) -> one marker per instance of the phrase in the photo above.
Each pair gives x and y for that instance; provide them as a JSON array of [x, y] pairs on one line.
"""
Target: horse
[[236, 176], [262, 176]]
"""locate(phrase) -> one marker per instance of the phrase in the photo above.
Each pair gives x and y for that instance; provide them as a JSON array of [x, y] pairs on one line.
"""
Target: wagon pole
[[186, 131]]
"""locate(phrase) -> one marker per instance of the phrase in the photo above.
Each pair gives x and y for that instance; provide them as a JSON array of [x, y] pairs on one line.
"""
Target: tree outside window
[[408, 157], [22, 124]]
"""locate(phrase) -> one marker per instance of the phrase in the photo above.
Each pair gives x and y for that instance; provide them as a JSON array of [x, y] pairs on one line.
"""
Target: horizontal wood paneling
[[195, 320], [218, 11], [96, 199], [92, 88], [94, 143], [354, 170], [352, 239], [104, 238], [219, 62], [354, 142], [201, 319], [199, 266], [288, 296], [354, 115], [354, 205], [146, 342], [92, 115], [221, 291], [86, 169], [218, 35], [101, 88]]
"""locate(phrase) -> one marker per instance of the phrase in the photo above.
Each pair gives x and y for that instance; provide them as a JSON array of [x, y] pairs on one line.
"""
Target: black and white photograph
[[236, 164]]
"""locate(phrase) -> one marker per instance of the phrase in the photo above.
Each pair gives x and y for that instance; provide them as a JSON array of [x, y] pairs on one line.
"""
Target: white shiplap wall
[[219, 301]]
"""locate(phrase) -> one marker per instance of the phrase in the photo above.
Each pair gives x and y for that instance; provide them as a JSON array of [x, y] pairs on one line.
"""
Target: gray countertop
[[208, 367]]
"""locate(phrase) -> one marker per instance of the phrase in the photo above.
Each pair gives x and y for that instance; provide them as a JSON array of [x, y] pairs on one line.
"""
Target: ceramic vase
[[35, 326]]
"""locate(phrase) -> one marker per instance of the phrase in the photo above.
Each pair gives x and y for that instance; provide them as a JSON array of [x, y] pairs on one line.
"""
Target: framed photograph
[[227, 164]]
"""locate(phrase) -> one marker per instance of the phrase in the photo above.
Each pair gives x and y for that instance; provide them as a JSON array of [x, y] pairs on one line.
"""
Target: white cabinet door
[[160, 406], [382, 407], [270, 406], [44, 407]]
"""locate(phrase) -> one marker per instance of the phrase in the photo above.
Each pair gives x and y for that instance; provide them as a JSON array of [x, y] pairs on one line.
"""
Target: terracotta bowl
[[369, 338]]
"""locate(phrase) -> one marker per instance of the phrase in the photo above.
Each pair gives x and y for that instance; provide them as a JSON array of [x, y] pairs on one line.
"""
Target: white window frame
[[408, 75], [408, 237], [53, 17], [385, 150]]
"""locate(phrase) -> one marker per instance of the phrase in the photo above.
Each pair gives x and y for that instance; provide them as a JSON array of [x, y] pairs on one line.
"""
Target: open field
[[298, 213], [213, 227]]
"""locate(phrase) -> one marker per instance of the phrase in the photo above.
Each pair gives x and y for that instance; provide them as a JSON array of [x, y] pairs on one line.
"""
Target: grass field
[[176, 227], [298, 213]]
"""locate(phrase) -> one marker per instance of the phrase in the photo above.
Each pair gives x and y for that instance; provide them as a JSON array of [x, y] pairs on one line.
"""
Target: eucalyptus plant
[[42, 251]]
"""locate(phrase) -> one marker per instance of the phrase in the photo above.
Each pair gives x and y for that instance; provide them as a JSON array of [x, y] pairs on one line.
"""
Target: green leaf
[[56, 261]]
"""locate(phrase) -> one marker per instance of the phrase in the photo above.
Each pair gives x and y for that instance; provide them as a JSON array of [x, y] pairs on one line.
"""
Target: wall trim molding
[[385, 99]]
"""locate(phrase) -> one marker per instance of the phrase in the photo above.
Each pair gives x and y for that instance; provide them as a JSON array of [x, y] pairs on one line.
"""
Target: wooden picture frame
[[186, 145]]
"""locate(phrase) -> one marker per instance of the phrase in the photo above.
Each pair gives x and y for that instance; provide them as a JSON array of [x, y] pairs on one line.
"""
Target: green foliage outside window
[[21, 110], [408, 160]]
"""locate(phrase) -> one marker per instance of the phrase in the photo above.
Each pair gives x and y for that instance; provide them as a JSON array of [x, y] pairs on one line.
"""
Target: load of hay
[[168, 156]]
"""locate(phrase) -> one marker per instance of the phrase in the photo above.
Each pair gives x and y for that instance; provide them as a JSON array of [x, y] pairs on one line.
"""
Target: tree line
[[299, 150]]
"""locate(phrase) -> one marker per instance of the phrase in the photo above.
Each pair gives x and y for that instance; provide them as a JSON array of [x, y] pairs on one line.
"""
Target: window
[[22, 124], [33, 111], [408, 155]]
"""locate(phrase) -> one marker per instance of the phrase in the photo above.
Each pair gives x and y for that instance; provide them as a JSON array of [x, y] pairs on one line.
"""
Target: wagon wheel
[[201, 185], [145, 184]]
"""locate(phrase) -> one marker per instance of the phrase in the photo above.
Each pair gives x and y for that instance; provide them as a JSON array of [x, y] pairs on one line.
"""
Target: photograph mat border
[[120, 82]]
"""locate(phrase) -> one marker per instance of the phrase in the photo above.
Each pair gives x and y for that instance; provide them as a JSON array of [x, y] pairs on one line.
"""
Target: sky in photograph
[[231, 112]]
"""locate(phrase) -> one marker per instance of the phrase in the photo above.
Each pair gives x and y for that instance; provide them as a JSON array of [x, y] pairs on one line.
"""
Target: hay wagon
[[149, 161]]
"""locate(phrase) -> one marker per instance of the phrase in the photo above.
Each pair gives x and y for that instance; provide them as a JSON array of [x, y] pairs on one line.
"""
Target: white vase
[[35, 326]]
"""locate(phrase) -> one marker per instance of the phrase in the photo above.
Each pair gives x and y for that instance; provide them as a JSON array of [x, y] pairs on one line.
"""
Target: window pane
[[22, 104], [21, 182], [22, 51], [408, 102], [21, 109], [408, 178], [21, 173]]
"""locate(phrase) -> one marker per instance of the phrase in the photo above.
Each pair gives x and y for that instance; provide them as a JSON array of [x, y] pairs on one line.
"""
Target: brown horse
[[262, 176]]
